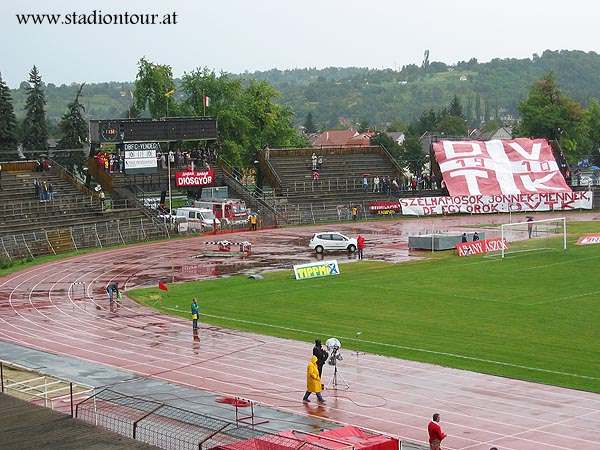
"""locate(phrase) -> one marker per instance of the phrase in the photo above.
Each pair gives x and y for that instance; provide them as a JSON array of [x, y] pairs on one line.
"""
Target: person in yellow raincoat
[[313, 381]]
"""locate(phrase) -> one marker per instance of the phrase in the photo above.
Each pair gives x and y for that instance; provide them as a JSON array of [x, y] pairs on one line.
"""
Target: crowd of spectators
[[44, 190], [202, 157]]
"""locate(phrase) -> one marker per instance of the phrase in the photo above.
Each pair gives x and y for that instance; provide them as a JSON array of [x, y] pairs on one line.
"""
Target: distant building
[[339, 138], [463, 78], [397, 136], [498, 133]]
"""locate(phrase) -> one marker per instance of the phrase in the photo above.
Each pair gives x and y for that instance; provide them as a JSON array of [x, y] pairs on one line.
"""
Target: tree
[[249, 118], [452, 126], [35, 128], [411, 154], [388, 143], [397, 125], [74, 130], [455, 109], [8, 124], [309, 124], [364, 126], [548, 113], [477, 121], [154, 89]]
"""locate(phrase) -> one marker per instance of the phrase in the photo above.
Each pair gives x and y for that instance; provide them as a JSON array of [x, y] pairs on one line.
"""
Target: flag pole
[[203, 104]]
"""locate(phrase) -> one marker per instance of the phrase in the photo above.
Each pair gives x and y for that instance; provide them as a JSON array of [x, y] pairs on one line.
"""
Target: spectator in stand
[[365, 183], [436, 435], [413, 183], [320, 162], [106, 165], [314, 161], [50, 191], [376, 184], [45, 191], [316, 175], [396, 187], [163, 161], [36, 188], [0, 177], [171, 158], [360, 246]]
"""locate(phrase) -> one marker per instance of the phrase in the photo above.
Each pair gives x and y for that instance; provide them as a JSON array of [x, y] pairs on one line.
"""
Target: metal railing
[[101, 234], [169, 427], [40, 388]]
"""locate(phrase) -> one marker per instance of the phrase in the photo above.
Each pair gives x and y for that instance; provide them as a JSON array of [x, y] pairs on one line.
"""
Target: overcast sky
[[239, 35]]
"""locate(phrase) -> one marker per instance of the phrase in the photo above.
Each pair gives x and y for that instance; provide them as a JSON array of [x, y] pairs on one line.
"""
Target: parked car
[[332, 241]]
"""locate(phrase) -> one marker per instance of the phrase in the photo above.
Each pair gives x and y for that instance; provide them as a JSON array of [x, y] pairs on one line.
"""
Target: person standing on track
[[313, 381], [360, 246], [195, 314], [436, 435], [321, 355], [529, 226]]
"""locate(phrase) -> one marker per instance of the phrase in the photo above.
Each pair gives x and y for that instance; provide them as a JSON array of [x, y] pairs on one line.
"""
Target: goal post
[[544, 234]]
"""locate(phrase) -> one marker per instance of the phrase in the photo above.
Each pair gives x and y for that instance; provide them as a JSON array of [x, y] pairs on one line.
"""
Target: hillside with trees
[[378, 98]]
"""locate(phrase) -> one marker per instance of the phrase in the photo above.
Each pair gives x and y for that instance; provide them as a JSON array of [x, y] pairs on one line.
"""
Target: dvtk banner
[[478, 247], [485, 204], [499, 167], [193, 178]]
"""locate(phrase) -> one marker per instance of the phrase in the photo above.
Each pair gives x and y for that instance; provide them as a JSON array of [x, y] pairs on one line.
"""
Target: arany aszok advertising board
[[478, 247], [193, 178]]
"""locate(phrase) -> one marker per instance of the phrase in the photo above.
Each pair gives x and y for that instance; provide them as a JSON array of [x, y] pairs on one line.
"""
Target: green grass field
[[533, 316]]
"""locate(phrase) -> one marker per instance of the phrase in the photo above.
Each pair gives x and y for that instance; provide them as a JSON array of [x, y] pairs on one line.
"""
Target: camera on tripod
[[334, 346]]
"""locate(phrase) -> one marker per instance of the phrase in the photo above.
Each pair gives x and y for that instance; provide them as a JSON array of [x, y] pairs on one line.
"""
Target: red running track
[[44, 308]]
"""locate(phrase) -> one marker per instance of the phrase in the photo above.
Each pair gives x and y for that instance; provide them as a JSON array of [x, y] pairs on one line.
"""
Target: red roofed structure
[[340, 138]]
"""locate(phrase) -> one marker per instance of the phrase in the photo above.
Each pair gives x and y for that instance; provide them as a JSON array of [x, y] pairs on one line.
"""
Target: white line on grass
[[403, 347]]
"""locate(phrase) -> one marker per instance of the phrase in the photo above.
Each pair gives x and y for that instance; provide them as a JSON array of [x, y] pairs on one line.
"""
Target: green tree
[[388, 143], [397, 125], [477, 121], [249, 117], [8, 124], [452, 126], [154, 89], [455, 108], [550, 114], [35, 128], [411, 154], [309, 124], [74, 130]]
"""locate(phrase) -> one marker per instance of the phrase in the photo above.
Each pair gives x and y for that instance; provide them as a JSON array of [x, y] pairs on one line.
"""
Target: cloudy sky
[[240, 35]]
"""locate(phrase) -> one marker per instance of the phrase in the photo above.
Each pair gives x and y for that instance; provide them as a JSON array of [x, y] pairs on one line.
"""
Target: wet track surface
[[44, 308]]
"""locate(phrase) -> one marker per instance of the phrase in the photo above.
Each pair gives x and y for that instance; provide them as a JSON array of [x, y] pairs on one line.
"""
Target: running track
[[42, 308]]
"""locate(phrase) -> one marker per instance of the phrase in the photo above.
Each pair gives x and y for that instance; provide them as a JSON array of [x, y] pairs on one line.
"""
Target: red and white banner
[[478, 247], [589, 239], [193, 178], [482, 204], [384, 208], [508, 167]]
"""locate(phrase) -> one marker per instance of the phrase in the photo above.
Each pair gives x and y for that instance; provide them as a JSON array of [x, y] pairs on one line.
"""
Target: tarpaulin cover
[[348, 436], [339, 438], [499, 167]]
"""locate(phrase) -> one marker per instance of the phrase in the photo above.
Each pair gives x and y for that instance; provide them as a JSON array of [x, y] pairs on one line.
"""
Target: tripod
[[337, 377]]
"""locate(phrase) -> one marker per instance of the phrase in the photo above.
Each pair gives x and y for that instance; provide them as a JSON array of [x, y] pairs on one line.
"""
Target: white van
[[199, 219]]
